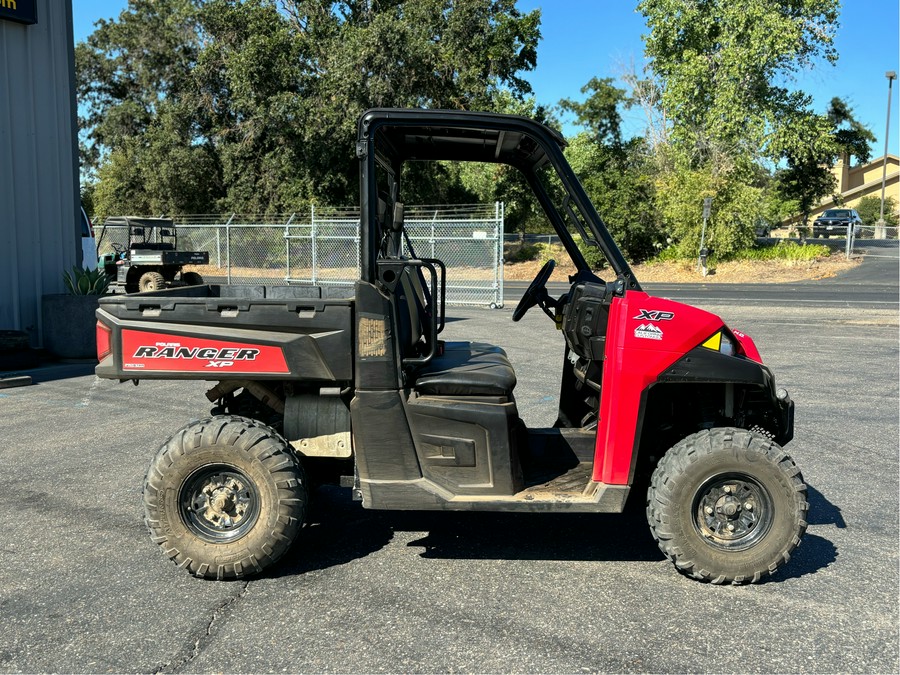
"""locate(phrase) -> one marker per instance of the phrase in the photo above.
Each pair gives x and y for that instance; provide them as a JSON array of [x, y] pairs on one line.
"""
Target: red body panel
[[747, 345], [645, 335], [142, 351]]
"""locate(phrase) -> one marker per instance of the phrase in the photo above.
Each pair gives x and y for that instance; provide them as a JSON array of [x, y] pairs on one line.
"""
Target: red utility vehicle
[[356, 387]]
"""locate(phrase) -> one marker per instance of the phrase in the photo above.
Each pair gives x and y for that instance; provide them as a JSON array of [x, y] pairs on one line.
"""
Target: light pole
[[879, 231]]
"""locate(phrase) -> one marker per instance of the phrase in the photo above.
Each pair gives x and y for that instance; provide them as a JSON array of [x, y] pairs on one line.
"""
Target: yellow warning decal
[[714, 342]]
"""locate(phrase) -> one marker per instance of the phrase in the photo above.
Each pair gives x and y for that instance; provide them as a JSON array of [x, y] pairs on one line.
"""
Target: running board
[[424, 495]]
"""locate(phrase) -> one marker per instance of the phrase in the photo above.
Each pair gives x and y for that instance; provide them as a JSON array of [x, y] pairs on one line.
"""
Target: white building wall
[[40, 235]]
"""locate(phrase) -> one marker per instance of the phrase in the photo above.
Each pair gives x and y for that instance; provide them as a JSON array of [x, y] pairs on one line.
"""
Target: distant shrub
[[869, 208], [555, 252], [516, 253], [593, 256], [668, 254], [782, 250]]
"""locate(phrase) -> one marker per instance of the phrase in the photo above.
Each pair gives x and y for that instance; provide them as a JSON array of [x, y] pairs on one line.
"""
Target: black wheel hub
[[732, 512], [219, 503]]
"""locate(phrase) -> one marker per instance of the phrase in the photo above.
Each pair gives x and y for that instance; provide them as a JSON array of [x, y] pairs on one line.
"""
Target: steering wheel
[[536, 291]]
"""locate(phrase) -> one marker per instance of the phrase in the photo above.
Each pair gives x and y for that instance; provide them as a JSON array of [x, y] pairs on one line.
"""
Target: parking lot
[[82, 588]]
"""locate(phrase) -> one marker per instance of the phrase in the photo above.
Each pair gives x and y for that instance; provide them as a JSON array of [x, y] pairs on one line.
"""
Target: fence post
[[849, 246], [287, 248], [312, 217], [434, 218], [358, 240], [219, 247], [499, 208], [228, 248]]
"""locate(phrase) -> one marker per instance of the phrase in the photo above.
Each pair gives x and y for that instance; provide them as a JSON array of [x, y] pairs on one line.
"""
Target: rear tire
[[192, 278], [225, 497], [727, 506], [151, 281]]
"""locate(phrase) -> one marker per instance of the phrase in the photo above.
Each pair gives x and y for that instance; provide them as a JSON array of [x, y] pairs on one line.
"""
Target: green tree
[[722, 66], [869, 209], [807, 176], [599, 112], [417, 53], [126, 68], [250, 98], [499, 182], [851, 136], [618, 175], [256, 101]]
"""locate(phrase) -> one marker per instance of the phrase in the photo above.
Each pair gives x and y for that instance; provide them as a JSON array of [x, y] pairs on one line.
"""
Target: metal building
[[40, 234]]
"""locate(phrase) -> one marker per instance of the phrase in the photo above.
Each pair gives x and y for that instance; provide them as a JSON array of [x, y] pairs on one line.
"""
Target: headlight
[[727, 346], [720, 342]]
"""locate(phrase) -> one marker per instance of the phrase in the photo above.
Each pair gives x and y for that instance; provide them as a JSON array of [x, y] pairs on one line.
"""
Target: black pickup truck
[[837, 223]]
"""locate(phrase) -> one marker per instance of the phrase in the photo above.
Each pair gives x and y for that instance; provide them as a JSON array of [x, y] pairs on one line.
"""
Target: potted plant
[[69, 319]]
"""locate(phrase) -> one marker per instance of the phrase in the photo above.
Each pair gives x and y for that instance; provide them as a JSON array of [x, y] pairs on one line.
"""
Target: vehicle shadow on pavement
[[815, 552], [537, 536], [341, 531], [338, 531], [52, 371], [822, 511]]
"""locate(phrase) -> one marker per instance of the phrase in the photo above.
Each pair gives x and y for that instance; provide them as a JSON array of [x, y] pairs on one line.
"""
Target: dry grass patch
[[682, 271]]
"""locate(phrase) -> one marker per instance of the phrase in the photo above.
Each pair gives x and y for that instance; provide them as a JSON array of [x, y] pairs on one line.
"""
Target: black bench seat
[[467, 369]]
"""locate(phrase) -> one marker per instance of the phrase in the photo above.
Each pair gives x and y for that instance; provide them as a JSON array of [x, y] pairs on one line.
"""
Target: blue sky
[[587, 38]]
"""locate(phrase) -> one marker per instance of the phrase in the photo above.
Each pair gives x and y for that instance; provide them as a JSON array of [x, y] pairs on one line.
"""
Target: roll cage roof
[[461, 136], [390, 137]]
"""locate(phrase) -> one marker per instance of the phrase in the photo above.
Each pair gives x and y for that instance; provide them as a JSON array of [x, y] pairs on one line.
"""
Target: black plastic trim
[[705, 365]]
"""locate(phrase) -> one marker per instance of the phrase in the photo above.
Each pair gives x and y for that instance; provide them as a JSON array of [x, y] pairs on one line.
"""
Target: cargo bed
[[219, 332]]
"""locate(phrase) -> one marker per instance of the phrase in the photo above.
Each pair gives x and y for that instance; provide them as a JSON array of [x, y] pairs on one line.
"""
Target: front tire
[[151, 281], [225, 497], [727, 506]]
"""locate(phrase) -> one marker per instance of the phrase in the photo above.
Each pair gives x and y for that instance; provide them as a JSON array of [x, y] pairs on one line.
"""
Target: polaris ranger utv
[[150, 259], [358, 387]]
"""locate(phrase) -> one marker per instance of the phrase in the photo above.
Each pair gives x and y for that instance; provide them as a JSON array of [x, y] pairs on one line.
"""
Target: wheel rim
[[219, 503], [732, 512]]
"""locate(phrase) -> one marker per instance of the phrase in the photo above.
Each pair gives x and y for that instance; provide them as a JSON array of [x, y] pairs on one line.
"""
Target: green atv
[[150, 260]]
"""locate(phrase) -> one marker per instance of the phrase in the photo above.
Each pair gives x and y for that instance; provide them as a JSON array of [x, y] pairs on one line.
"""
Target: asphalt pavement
[[83, 589]]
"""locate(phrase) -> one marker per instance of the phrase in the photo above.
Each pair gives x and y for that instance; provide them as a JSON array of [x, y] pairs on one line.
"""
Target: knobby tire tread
[[260, 443], [660, 506]]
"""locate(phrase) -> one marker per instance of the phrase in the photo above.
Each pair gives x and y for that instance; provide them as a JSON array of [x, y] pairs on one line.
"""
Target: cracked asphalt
[[82, 588]]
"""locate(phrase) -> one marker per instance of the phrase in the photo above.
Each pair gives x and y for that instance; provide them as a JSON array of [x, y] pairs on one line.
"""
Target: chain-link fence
[[469, 240], [847, 237], [878, 232], [321, 246]]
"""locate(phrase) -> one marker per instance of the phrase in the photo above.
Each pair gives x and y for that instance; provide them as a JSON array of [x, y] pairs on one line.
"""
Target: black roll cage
[[393, 136]]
